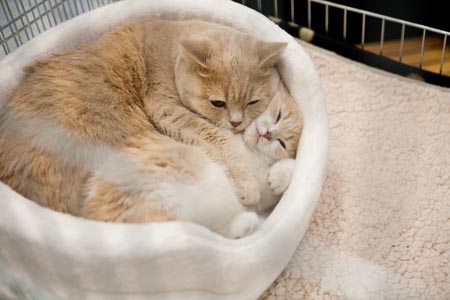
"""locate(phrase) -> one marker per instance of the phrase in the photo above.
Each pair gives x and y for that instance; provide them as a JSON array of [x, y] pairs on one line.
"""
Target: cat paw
[[243, 225], [248, 192], [280, 175]]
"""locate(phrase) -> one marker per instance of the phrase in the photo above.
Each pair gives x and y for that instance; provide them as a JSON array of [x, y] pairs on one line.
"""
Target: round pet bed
[[49, 255]]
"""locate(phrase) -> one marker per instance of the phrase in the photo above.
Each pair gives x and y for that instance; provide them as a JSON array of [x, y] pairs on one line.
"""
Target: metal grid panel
[[22, 20], [404, 25]]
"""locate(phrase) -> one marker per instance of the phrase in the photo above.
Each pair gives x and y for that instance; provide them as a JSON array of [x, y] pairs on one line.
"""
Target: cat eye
[[279, 116], [282, 143], [252, 102], [218, 103]]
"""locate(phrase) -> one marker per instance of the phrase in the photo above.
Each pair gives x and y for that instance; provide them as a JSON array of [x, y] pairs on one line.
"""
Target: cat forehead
[[232, 63], [238, 86], [231, 90], [227, 38], [237, 50]]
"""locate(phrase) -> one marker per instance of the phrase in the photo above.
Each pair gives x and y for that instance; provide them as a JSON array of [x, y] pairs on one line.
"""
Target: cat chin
[[262, 145], [236, 130], [240, 129]]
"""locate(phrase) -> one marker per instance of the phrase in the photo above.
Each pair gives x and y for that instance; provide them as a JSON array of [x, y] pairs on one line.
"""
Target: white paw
[[280, 175], [243, 225]]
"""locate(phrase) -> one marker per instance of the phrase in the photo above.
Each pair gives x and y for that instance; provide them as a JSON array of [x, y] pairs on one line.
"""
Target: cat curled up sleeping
[[270, 145], [165, 80], [144, 184]]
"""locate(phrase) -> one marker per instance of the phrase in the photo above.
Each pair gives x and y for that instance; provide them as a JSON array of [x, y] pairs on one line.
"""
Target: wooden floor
[[412, 49]]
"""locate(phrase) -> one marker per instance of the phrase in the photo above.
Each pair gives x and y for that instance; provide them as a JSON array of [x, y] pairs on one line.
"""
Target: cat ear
[[196, 49], [269, 53]]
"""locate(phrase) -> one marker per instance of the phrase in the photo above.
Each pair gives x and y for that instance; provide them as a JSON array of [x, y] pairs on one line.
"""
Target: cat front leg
[[280, 174], [182, 125], [239, 171]]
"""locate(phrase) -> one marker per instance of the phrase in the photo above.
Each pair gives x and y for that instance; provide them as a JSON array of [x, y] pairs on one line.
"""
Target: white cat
[[270, 143]]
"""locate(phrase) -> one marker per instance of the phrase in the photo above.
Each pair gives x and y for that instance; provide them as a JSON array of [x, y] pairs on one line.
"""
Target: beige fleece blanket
[[382, 227]]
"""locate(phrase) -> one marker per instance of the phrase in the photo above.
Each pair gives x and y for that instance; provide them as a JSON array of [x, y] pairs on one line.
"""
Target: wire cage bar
[[383, 22]]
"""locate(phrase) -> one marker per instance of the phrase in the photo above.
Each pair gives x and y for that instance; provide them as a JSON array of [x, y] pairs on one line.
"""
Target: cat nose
[[235, 123], [267, 135]]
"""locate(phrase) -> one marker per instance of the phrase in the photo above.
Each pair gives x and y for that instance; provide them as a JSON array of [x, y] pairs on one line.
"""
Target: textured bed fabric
[[47, 255], [382, 226]]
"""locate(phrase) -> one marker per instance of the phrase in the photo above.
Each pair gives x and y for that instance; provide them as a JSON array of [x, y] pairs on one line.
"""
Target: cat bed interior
[[49, 255]]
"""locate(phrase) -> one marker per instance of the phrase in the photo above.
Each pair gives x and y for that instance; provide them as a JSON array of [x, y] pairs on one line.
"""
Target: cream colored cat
[[72, 111], [270, 144], [141, 184]]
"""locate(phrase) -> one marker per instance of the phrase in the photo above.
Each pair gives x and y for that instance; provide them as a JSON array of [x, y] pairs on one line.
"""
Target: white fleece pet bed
[[48, 255]]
